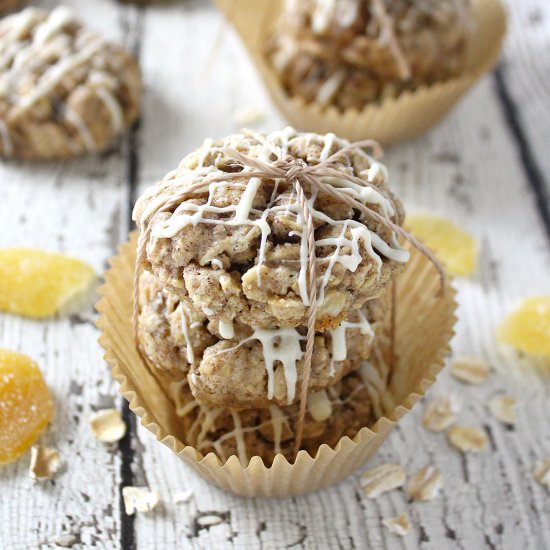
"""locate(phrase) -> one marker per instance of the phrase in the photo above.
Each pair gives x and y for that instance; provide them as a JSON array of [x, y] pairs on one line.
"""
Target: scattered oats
[[108, 426], [503, 408], [66, 540], [45, 462], [183, 496], [382, 479], [425, 484], [399, 525], [542, 472], [472, 370], [440, 412], [209, 520], [248, 116], [139, 499], [467, 438]]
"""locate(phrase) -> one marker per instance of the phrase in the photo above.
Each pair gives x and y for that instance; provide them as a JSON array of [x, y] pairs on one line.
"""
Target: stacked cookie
[[349, 53], [64, 90], [223, 304]]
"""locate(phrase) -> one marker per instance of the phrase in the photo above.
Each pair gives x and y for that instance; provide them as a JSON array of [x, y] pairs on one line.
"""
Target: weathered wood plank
[[78, 207]]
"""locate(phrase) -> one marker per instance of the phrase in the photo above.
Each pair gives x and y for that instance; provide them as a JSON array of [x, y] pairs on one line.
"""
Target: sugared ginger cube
[[456, 248], [528, 327], [37, 283], [26, 405]]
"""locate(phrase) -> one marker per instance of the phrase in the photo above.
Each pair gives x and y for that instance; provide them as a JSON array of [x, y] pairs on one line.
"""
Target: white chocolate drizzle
[[185, 330], [277, 420], [280, 345], [338, 335]]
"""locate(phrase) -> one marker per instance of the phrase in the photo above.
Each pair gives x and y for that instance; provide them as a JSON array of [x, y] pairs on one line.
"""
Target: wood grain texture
[[469, 169]]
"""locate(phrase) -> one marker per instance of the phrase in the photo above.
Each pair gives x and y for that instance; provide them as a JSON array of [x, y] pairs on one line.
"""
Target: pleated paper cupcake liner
[[392, 120], [423, 329]]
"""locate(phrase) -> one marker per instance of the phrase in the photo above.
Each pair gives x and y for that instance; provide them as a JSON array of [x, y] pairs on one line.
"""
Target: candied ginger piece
[[26, 405], [528, 327], [456, 248], [38, 283]]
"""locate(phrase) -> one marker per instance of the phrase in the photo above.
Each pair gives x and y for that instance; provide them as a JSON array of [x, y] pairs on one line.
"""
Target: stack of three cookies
[[222, 308]]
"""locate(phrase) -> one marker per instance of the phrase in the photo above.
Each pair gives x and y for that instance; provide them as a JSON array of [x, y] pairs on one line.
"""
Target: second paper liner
[[393, 119], [424, 327]]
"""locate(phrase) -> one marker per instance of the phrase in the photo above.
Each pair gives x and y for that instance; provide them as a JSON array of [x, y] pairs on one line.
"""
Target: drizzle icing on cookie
[[31, 40]]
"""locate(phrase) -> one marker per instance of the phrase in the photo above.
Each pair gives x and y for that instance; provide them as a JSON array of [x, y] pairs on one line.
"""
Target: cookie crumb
[[503, 408], [382, 479], [108, 426], [425, 484], [467, 438], [471, 370], [398, 525], [440, 412], [542, 472], [45, 463]]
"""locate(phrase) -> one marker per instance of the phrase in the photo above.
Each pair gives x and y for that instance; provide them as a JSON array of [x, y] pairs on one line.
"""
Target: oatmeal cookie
[[64, 90], [237, 248], [341, 410], [246, 369], [348, 53]]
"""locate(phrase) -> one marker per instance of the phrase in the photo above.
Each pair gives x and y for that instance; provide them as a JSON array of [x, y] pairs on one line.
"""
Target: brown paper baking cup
[[392, 120], [424, 328]]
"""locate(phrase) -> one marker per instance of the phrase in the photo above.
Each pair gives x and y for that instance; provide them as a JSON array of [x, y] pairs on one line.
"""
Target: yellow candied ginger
[[528, 327], [456, 248], [26, 405], [37, 283]]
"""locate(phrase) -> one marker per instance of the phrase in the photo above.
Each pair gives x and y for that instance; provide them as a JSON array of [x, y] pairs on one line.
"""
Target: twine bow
[[297, 174]]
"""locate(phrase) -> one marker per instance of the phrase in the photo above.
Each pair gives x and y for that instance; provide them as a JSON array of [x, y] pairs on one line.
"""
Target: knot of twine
[[297, 173]]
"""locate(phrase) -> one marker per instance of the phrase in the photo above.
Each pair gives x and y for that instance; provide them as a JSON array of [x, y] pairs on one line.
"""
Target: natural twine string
[[298, 174]]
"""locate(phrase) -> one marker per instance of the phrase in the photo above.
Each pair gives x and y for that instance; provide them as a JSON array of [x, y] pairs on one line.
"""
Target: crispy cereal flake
[[467, 438], [399, 525], [209, 520], [456, 248], [45, 462], [108, 426], [472, 370], [65, 540], [26, 405], [37, 283], [528, 327], [425, 484], [382, 479], [139, 499], [503, 408], [183, 496], [440, 412], [542, 472]]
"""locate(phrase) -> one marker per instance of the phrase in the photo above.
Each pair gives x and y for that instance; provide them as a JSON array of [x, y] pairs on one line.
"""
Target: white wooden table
[[487, 167]]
